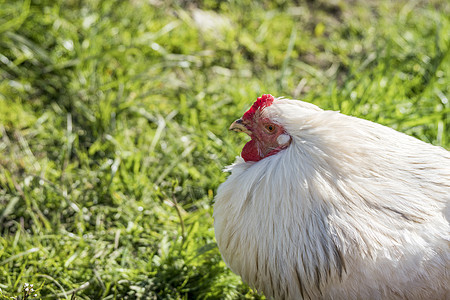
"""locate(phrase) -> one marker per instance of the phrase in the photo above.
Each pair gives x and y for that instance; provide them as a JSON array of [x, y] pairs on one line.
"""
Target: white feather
[[350, 210]]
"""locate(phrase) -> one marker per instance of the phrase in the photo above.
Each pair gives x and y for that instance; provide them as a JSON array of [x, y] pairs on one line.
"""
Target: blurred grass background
[[114, 117]]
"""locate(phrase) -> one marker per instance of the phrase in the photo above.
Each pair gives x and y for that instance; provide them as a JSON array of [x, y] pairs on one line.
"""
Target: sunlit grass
[[114, 117]]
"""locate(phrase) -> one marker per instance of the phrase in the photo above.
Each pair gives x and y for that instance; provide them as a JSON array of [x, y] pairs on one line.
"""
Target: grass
[[114, 117]]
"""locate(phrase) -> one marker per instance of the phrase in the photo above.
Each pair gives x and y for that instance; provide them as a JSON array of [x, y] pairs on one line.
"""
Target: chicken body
[[347, 209]]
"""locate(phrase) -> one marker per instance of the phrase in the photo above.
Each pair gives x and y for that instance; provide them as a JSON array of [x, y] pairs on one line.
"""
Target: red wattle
[[250, 152]]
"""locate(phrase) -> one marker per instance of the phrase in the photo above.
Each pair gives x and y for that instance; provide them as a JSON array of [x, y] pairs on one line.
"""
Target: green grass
[[114, 117]]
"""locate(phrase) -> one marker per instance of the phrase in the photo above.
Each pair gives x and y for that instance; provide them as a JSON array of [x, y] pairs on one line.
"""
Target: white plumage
[[349, 209]]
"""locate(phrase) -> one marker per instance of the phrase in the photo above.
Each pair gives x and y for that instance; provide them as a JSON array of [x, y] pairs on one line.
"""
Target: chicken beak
[[239, 126]]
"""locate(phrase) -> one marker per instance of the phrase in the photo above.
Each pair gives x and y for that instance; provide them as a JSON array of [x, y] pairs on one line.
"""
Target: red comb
[[263, 101]]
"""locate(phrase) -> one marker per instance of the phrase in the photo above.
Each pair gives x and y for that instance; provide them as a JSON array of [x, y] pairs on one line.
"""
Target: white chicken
[[321, 205]]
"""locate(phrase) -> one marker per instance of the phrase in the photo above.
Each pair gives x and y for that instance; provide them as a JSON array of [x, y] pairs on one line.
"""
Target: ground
[[114, 118]]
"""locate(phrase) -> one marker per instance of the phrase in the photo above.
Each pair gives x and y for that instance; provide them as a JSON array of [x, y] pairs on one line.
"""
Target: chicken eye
[[270, 127]]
